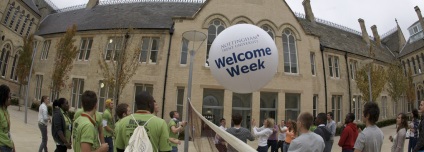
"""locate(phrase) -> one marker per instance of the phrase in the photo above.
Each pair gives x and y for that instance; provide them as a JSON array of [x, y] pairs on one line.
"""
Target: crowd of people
[[90, 130]]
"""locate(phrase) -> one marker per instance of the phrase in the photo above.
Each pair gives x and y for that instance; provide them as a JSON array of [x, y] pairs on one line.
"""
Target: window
[[14, 16], [114, 46], [77, 90], [85, 48], [313, 66], [315, 105], [336, 107], [9, 11], [213, 101], [333, 65], [242, 103], [290, 52], [394, 105], [38, 86], [413, 64], [419, 65], [105, 92], [353, 66], [404, 67], [383, 114], [215, 27], [45, 51], [13, 75], [4, 58], [29, 27], [180, 101], [357, 106], [269, 105], [292, 106], [24, 24], [19, 21], [149, 48], [138, 89], [409, 65], [184, 51], [269, 30]]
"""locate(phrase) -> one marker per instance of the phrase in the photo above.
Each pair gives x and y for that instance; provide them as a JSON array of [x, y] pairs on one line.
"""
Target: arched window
[[269, 30], [241, 22], [9, 11], [290, 52], [14, 16], [19, 20], [29, 27], [5, 59], [216, 26], [6, 49], [23, 25], [13, 75]]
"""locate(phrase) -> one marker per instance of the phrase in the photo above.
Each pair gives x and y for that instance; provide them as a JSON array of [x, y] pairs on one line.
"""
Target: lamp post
[[193, 36], [369, 61], [34, 52]]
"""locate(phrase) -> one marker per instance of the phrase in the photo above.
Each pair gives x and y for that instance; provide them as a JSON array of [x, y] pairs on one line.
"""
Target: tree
[[24, 62], [410, 88], [118, 73], [397, 82], [378, 81], [66, 52]]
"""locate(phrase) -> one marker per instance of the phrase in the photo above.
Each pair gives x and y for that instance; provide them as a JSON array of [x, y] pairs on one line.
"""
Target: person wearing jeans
[[43, 119], [108, 124], [414, 130]]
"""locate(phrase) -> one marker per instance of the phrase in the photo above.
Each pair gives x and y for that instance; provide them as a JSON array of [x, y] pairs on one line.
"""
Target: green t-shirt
[[107, 116], [171, 134], [85, 132], [98, 116], [68, 126], [157, 130], [5, 128], [116, 130]]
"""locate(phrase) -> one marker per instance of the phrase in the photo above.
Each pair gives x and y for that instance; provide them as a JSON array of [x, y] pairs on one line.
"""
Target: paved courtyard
[[27, 137]]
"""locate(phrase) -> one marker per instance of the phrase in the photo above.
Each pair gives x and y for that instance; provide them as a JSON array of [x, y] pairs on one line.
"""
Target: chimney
[[364, 31], [309, 15], [91, 4], [420, 17], [376, 36]]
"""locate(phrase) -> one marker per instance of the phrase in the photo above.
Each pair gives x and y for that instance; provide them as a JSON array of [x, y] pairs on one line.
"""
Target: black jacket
[[58, 125], [323, 132], [420, 142]]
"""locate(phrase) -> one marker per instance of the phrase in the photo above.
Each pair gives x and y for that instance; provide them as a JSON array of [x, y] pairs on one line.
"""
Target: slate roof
[[31, 5], [147, 15], [335, 38], [392, 41], [411, 47]]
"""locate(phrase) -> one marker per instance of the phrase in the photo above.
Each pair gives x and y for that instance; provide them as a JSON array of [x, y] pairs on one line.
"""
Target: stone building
[[317, 66]]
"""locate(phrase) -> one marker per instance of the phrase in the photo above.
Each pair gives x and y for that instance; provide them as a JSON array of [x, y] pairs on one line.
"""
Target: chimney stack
[[309, 15], [376, 36], [91, 4], [420, 17], [365, 36]]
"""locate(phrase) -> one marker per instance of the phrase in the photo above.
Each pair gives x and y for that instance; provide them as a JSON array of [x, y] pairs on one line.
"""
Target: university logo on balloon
[[243, 58]]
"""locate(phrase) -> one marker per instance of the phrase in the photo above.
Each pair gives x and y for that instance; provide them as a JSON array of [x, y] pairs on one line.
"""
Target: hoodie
[[348, 136]]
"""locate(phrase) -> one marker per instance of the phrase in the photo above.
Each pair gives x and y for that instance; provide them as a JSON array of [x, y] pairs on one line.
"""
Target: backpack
[[324, 133], [139, 140]]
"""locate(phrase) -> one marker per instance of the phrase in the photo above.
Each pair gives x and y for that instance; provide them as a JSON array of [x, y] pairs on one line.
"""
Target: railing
[[51, 4], [393, 30]]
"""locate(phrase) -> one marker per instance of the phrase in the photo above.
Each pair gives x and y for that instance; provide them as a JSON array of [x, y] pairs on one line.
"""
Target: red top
[[348, 136]]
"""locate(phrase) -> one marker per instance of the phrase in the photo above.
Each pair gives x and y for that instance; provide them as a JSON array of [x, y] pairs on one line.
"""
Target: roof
[[31, 5], [392, 41], [412, 47], [153, 15], [335, 38]]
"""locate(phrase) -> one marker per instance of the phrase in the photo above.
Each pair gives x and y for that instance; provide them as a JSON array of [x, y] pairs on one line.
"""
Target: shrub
[[15, 101], [380, 124], [36, 106]]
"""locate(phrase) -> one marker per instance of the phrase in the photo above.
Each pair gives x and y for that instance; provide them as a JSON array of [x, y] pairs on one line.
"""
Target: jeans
[[412, 143], [174, 149], [5, 149], [328, 145], [61, 148], [262, 148], [281, 145], [43, 145], [273, 144], [109, 141], [347, 150], [286, 147]]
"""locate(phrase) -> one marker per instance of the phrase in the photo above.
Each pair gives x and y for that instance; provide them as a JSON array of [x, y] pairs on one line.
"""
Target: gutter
[[348, 83], [171, 33], [321, 47]]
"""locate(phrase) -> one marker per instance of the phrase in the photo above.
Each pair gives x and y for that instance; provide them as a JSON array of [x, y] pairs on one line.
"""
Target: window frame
[[76, 93], [86, 49], [13, 75], [336, 107], [315, 105], [9, 11], [144, 87], [297, 110], [290, 52], [184, 51], [217, 32], [38, 86], [148, 51], [313, 64], [180, 101], [45, 50]]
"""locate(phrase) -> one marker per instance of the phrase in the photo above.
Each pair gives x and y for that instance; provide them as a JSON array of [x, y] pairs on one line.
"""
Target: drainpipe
[[325, 76], [171, 33], [348, 83]]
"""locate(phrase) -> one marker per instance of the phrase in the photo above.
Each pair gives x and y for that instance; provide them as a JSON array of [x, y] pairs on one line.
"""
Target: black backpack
[[323, 132]]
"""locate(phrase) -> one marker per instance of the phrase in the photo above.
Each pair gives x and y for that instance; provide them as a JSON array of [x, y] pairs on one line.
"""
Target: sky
[[381, 13]]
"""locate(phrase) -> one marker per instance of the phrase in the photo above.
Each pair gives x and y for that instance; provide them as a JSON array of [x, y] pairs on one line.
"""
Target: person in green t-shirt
[[108, 124], [6, 143], [156, 128], [97, 118], [175, 127], [85, 135], [61, 125], [122, 110]]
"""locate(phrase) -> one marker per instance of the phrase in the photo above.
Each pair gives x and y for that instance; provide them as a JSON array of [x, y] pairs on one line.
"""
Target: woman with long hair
[[399, 138], [61, 125], [414, 130], [420, 142], [6, 143], [290, 134], [263, 133]]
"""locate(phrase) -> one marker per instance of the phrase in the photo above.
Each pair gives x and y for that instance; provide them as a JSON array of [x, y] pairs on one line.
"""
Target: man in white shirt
[[331, 125], [220, 144], [307, 141], [43, 120]]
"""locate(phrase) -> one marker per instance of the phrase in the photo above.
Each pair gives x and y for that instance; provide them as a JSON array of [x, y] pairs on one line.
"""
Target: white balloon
[[243, 58]]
